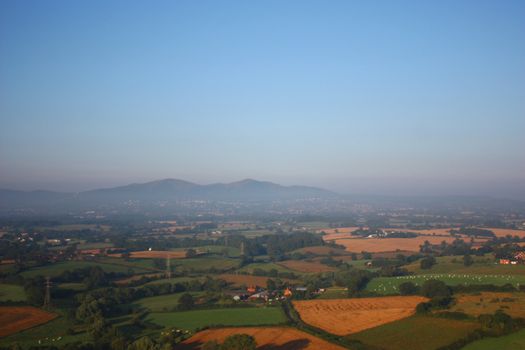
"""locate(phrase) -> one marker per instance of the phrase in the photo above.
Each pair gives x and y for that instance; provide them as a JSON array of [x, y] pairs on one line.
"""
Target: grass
[[334, 293], [77, 287], [74, 227], [143, 264], [56, 269], [484, 265], [193, 320], [390, 285], [12, 292], [94, 245], [415, 333], [512, 341], [205, 263], [264, 266], [163, 302], [174, 280]]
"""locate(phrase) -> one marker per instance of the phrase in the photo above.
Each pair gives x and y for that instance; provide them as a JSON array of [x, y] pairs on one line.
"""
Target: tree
[[239, 342], [186, 302], [191, 253], [435, 288], [467, 260], [427, 262], [144, 343], [271, 285], [211, 345], [407, 288]]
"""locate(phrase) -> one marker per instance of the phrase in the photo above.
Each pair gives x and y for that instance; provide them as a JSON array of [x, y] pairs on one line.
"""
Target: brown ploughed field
[[346, 316], [267, 338], [14, 319]]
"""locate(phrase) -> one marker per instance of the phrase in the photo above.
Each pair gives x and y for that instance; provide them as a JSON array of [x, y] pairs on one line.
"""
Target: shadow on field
[[298, 344]]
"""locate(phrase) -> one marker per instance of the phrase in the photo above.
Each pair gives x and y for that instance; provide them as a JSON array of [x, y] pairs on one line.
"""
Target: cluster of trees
[[91, 276], [473, 231]]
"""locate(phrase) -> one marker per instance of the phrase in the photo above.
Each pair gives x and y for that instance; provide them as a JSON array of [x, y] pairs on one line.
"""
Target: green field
[[94, 245], [174, 280], [484, 265], [192, 320], [163, 302], [415, 333], [141, 264], [77, 287], [512, 341], [205, 263], [12, 292], [334, 293], [57, 268], [264, 266], [389, 285], [74, 227]]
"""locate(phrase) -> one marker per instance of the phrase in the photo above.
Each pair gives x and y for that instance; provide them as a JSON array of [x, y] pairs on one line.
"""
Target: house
[[260, 295], [252, 289], [520, 256]]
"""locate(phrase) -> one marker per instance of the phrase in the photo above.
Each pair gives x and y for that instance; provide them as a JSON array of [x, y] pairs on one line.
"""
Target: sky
[[372, 97]]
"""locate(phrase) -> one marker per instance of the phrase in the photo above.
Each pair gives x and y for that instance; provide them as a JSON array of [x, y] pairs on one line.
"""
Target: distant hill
[[167, 190]]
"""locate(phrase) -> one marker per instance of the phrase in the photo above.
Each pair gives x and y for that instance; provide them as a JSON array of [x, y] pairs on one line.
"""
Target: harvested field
[[427, 232], [267, 338], [248, 280], [502, 232], [305, 266], [14, 319], [376, 245], [347, 316], [489, 302]]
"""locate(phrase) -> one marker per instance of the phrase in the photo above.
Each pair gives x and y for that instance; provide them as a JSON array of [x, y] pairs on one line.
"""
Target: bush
[[408, 288], [427, 262]]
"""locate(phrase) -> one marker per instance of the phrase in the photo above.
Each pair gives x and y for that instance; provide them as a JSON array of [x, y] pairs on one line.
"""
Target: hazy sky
[[413, 97]]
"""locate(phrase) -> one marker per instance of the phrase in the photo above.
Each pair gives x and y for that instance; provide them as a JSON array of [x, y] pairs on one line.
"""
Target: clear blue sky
[[394, 97]]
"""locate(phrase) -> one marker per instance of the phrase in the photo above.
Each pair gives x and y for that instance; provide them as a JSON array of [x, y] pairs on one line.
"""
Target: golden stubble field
[[267, 338], [347, 316], [489, 302]]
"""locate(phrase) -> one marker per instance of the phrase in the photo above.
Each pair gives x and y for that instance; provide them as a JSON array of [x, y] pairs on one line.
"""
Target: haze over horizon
[[394, 98]]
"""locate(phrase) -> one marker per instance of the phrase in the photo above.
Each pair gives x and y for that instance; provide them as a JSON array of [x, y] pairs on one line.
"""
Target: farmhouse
[[520, 257]]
